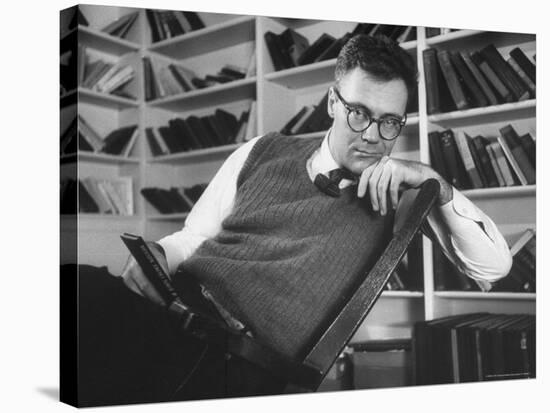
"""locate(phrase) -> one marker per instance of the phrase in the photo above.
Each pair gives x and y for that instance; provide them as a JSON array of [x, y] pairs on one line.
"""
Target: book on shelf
[[166, 24], [506, 74], [502, 163], [503, 93], [512, 140], [294, 44], [121, 26], [280, 56], [453, 161], [529, 146], [174, 199], [480, 79], [456, 89], [467, 80], [68, 201], [447, 277], [485, 165], [474, 347], [522, 276], [461, 139], [436, 155], [315, 50], [315, 120], [121, 140], [68, 138], [524, 63], [523, 76], [112, 196], [494, 163]]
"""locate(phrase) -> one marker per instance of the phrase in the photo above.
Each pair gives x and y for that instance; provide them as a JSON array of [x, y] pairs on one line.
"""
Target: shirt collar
[[322, 161]]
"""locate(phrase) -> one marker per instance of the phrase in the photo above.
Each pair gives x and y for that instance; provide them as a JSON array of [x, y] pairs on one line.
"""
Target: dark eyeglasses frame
[[372, 119]]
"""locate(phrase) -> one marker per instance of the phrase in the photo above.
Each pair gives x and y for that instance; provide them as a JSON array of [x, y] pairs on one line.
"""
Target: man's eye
[[359, 114], [392, 122]]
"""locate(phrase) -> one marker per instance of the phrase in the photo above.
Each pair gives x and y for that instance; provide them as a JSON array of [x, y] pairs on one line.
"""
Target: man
[[277, 252]]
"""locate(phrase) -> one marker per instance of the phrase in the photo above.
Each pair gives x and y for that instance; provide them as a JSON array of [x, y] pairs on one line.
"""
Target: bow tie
[[329, 185]]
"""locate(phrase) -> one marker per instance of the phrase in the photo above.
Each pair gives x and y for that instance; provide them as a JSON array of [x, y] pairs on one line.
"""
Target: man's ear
[[331, 101]]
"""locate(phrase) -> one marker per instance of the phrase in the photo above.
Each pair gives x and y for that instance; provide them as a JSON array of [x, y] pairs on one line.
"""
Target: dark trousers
[[132, 351]]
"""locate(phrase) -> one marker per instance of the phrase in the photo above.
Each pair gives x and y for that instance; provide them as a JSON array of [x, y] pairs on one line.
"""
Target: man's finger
[[394, 190], [373, 185], [382, 188], [364, 180]]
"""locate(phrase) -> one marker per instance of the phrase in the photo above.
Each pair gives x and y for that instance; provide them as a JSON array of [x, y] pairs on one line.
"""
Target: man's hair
[[380, 57]]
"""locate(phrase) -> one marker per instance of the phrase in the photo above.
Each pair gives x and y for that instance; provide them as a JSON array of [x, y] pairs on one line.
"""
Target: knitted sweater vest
[[288, 254]]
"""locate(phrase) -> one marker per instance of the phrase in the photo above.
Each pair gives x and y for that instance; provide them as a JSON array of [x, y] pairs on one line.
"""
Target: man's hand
[[391, 175], [135, 279]]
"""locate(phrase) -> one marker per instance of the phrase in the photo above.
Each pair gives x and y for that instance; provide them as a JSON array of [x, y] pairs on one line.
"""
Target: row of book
[[95, 195], [475, 347], [103, 76], [174, 200], [81, 136], [118, 27], [310, 118], [457, 80], [522, 276], [438, 31], [290, 48], [166, 24], [173, 78], [479, 162], [194, 132]]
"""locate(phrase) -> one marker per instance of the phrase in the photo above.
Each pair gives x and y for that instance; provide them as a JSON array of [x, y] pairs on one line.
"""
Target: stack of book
[[166, 24], [521, 278], [474, 347], [174, 78], [479, 162], [121, 26], [310, 118], [118, 142], [173, 200], [102, 76], [457, 80], [290, 48], [219, 129], [409, 274], [103, 196]]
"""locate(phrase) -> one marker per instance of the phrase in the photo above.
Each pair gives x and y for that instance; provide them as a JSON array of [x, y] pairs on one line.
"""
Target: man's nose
[[371, 134]]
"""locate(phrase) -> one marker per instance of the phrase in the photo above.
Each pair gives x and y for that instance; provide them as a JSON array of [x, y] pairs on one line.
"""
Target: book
[[93, 138], [194, 20], [464, 150], [504, 72], [436, 155], [529, 146], [334, 49], [484, 161], [502, 163], [318, 120], [251, 68], [512, 139], [147, 79], [294, 44], [453, 161], [512, 160], [481, 81], [183, 76], [280, 60], [504, 94], [151, 268], [494, 163], [121, 25], [316, 49], [184, 23], [523, 76], [429, 57], [86, 202], [288, 126], [116, 142], [120, 78], [155, 31], [452, 80], [298, 125], [524, 63], [169, 83], [154, 146], [477, 98]]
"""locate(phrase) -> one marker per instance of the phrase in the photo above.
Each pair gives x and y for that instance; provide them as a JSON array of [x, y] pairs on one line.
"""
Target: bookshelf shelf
[[178, 158], [99, 158], [485, 295], [168, 217], [105, 100], [106, 43], [452, 37], [304, 76], [507, 192], [208, 39], [489, 114], [402, 294], [212, 96]]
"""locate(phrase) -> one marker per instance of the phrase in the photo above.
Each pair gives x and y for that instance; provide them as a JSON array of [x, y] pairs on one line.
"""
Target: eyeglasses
[[389, 127]]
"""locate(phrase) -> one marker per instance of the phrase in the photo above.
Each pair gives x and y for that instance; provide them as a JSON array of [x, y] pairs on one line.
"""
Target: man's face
[[355, 150]]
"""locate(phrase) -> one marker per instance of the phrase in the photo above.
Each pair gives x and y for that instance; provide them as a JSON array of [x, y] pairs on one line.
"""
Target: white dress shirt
[[467, 236]]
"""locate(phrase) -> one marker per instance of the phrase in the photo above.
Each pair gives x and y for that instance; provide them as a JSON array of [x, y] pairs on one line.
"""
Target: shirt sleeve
[[470, 239], [206, 217]]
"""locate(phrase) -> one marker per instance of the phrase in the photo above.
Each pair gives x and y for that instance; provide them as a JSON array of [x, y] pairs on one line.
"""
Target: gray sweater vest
[[288, 255]]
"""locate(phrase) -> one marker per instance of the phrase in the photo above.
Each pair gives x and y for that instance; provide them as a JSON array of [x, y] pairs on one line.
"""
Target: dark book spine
[[526, 65], [505, 95], [316, 49], [484, 161], [452, 159], [272, 42], [436, 155], [179, 78], [468, 80], [429, 57], [153, 145], [288, 126], [510, 136], [180, 132], [529, 147], [452, 80], [505, 72], [479, 78], [194, 20]]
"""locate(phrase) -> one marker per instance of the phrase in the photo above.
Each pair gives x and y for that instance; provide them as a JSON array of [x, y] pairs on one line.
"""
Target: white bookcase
[[279, 95]]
